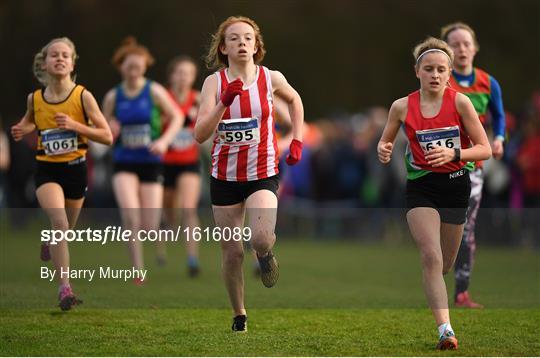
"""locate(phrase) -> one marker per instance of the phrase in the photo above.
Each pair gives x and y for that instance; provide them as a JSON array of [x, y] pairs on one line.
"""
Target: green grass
[[333, 298], [320, 332]]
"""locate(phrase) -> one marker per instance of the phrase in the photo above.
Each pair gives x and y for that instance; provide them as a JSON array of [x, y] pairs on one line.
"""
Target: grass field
[[333, 298]]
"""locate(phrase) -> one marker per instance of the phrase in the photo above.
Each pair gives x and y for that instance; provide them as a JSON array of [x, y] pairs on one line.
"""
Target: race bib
[[444, 137], [184, 139], [58, 141], [136, 135], [242, 131]]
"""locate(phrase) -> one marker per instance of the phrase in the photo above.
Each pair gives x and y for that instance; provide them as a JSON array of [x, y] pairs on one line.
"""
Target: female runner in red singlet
[[440, 125]]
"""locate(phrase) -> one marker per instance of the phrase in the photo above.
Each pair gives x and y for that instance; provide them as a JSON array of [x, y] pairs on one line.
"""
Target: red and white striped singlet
[[251, 161]]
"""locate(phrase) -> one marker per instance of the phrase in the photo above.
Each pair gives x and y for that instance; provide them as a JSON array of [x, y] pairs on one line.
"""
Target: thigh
[[73, 209], [51, 199], [50, 196], [188, 190], [126, 190], [229, 216], [169, 195], [425, 225], [261, 207], [151, 195], [451, 235]]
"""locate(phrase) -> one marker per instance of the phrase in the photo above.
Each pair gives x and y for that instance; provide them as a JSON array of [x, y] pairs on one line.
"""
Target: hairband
[[433, 50]]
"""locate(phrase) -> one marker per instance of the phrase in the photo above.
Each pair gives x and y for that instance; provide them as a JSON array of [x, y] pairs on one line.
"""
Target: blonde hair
[[128, 47], [39, 60], [216, 59], [446, 30], [431, 43]]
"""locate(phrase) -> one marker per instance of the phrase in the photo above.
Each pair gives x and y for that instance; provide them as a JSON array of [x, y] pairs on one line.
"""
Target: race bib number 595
[[58, 141], [443, 137], [242, 131]]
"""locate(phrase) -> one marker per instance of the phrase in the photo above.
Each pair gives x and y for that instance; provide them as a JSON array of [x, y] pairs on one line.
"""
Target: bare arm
[[281, 114], [480, 150], [4, 151], [396, 116], [27, 123], [210, 112], [101, 132], [108, 112], [171, 112], [284, 91]]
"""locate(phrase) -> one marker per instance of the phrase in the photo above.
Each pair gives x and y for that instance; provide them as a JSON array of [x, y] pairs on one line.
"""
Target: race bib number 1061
[[58, 141]]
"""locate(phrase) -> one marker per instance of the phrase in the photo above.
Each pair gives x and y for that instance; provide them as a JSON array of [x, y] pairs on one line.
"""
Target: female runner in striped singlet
[[237, 110]]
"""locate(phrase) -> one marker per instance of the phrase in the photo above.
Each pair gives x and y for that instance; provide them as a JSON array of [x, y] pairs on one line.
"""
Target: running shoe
[[45, 254], [239, 323], [138, 281], [67, 299], [463, 300], [161, 261], [193, 271], [447, 341], [269, 269]]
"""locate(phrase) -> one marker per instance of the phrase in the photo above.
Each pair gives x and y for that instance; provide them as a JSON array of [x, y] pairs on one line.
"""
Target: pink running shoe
[[45, 254], [463, 300], [138, 282], [67, 298]]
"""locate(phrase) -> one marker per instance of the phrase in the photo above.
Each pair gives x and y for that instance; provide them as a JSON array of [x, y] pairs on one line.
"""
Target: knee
[[233, 256], [131, 223], [189, 217], [262, 240], [432, 262], [59, 224]]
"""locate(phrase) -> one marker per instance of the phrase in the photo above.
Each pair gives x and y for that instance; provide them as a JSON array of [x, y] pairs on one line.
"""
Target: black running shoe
[[239, 323], [269, 269], [45, 254], [161, 261], [67, 299], [193, 271]]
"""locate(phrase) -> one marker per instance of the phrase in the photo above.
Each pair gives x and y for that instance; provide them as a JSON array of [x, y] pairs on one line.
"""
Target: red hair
[[128, 47]]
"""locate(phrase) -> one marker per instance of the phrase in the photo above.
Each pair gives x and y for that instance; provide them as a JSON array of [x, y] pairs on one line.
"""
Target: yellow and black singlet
[[54, 144]]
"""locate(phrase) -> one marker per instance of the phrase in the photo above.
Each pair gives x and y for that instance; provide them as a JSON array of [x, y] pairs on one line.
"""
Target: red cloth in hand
[[295, 152], [233, 89]]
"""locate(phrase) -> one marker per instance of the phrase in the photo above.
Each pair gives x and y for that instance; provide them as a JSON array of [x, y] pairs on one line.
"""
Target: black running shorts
[[171, 172], [71, 176], [223, 193], [448, 193], [146, 172]]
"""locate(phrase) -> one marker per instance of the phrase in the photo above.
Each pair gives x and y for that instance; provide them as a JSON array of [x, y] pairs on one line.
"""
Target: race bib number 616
[[443, 137]]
